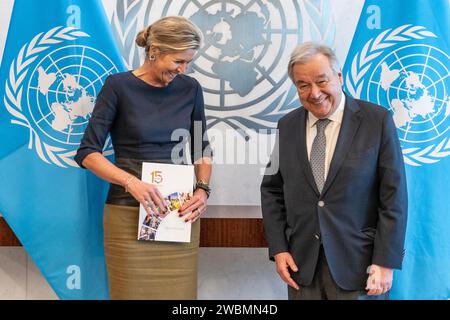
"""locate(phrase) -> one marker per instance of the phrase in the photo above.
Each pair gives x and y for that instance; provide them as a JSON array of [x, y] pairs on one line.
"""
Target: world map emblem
[[242, 65], [52, 89], [412, 80]]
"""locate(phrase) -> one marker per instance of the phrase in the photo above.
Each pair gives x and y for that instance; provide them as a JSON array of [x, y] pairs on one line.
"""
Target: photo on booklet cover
[[147, 233], [174, 201], [152, 221]]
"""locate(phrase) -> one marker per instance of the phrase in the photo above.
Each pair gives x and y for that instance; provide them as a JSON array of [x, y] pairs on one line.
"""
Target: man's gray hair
[[305, 51]]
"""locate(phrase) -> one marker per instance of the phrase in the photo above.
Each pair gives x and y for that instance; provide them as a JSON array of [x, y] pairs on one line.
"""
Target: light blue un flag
[[56, 58], [399, 58]]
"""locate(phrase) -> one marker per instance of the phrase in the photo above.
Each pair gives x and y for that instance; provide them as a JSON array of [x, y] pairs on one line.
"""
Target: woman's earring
[[152, 57]]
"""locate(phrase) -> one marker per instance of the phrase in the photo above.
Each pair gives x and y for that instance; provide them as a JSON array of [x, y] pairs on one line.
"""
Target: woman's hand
[[148, 195], [196, 206]]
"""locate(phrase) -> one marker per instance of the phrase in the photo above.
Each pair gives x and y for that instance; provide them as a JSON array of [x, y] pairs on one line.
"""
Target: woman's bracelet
[[129, 179], [204, 186]]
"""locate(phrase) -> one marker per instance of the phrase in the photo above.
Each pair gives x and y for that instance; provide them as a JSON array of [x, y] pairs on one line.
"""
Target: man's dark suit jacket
[[360, 217]]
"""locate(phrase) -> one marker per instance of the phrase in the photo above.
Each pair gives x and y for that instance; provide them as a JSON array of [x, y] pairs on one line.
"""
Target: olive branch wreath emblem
[[362, 62], [320, 23], [14, 86]]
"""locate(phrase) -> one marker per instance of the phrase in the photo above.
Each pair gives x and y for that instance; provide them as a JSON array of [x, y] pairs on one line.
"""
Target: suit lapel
[[302, 152], [350, 124]]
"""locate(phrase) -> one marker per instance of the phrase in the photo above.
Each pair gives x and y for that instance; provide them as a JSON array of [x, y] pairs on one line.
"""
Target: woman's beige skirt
[[147, 269]]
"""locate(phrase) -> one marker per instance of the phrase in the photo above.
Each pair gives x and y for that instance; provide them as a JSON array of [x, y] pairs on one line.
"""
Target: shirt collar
[[337, 115]]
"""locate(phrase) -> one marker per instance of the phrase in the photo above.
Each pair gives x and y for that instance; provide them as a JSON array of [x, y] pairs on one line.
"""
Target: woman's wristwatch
[[204, 186]]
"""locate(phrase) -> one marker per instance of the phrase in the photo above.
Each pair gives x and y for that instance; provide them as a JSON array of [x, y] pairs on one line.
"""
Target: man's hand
[[284, 261], [379, 281]]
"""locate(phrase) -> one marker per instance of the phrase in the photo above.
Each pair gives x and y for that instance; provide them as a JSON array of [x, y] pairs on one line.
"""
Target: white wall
[[20, 278]]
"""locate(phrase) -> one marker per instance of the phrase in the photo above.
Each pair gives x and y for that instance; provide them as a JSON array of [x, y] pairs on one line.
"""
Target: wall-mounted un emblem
[[52, 91], [242, 65], [412, 81]]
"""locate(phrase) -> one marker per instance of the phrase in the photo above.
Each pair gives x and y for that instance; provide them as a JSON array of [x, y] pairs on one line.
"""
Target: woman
[[140, 109]]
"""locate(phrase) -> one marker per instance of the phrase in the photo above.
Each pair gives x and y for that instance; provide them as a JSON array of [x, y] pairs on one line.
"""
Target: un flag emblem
[[52, 90], [412, 81]]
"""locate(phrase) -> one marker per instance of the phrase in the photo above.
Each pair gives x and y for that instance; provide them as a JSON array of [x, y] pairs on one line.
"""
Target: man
[[335, 209]]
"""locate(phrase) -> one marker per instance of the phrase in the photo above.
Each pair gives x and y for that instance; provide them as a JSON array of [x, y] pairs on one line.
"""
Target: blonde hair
[[170, 34]]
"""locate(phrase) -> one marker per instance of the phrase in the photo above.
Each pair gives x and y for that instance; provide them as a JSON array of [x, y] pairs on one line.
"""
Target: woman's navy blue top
[[141, 119]]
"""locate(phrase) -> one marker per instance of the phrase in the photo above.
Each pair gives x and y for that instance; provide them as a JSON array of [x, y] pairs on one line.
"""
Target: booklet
[[175, 183]]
